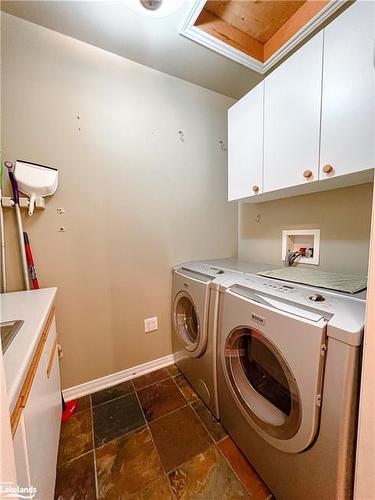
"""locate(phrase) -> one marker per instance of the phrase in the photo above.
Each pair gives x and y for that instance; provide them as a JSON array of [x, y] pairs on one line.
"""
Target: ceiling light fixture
[[153, 8]]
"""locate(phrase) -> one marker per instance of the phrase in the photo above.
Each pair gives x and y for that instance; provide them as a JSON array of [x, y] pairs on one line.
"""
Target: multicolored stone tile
[[161, 398], [75, 480], [206, 476], [115, 418], [173, 370], [250, 479], [159, 490], [213, 426], [151, 378], [75, 436], [127, 465], [110, 393], [186, 389], [84, 403], [178, 437]]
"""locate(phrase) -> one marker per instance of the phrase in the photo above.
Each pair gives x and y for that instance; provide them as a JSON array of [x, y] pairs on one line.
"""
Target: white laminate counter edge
[[32, 307]]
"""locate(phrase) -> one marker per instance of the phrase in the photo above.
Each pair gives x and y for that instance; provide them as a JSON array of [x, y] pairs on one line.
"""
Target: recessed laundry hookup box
[[305, 241]]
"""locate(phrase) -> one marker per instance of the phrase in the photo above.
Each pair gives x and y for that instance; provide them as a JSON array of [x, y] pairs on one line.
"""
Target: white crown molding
[[197, 35], [116, 378]]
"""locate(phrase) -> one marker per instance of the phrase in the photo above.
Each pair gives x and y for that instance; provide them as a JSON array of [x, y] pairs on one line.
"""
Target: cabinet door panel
[[20, 455], [245, 145], [348, 106], [42, 423], [292, 118]]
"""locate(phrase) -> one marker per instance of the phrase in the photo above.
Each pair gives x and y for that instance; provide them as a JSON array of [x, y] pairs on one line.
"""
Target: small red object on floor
[[68, 410]]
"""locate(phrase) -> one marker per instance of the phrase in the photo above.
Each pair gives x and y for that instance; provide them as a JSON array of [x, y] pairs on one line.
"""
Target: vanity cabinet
[[245, 153], [348, 93], [292, 118], [36, 418], [314, 130]]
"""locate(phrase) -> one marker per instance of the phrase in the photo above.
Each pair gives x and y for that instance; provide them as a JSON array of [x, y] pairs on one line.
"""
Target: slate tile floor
[[151, 438]]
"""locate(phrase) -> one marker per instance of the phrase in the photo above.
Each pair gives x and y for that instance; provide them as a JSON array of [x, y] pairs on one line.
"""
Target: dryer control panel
[[344, 313]]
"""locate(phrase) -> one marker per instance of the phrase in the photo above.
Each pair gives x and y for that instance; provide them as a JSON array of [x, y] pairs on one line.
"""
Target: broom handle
[[16, 197], [3, 259]]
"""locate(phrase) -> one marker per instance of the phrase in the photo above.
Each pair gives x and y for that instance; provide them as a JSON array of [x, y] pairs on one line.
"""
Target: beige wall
[[343, 217], [137, 200]]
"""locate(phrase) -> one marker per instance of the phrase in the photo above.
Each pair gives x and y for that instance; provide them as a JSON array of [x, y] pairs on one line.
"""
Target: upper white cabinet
[[292, 118], [245, 145], [313, 121], [348, 95]]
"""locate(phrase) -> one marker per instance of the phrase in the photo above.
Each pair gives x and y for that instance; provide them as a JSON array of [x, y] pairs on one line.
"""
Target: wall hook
[[222, 145], [181, 134]]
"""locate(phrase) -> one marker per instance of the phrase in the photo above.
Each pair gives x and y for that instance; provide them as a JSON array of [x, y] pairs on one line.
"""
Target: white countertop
[[32, 307]]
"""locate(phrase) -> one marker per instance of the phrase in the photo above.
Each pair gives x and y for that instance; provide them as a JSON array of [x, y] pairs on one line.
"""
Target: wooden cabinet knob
[[255, 189], [327, 169], [307, 174]]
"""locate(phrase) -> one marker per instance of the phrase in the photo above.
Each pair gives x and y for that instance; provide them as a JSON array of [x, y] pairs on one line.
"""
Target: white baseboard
[[116, 378]]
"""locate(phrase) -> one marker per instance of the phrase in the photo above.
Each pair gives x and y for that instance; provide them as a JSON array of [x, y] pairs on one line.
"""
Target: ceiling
[[260, 20], [261, 29], [154, 42]]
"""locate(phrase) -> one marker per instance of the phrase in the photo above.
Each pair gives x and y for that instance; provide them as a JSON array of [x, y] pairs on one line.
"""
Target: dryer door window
[[186, 321], [263, 383]]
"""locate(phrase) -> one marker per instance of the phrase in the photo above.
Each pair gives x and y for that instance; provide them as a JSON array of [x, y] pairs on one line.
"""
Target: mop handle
[[16, 193]]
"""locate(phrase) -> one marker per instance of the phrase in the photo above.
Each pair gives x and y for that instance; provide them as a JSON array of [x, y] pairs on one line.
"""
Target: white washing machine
[[288, 376], [195, 301]]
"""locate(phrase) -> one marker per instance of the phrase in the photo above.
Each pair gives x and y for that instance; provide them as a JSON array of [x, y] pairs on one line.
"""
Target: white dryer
[[288, 373], [195, 301]]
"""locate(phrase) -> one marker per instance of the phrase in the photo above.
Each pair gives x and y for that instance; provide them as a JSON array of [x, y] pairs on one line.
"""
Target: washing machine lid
[[273, 362]]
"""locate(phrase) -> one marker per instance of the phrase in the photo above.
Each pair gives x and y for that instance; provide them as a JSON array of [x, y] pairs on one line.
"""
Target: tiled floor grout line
[[153, 442], [179, 388], [204, 425], [149, 385], [169, 413], [74, 458], [222, 439], [93, 449], [110, 400], [232, 469], [187, 403]]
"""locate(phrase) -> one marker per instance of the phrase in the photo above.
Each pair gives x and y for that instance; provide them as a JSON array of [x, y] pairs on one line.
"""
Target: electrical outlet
[[151, 324]]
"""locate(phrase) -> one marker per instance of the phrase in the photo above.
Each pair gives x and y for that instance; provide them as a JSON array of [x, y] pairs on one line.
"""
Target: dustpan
[[35, 181]]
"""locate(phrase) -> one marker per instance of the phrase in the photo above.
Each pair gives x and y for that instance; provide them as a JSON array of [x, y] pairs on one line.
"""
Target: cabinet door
[[20, 455], [42, 420], [348, 106], [245, 145], [292, 118]]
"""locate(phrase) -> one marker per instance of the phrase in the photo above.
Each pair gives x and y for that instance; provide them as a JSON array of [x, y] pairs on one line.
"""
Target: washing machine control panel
[[315, 298], [345, 315], [210, 272]]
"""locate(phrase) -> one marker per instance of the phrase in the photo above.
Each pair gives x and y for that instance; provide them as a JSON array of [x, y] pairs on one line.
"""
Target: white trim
[[197, 35], [209, 41], [116, 378]]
